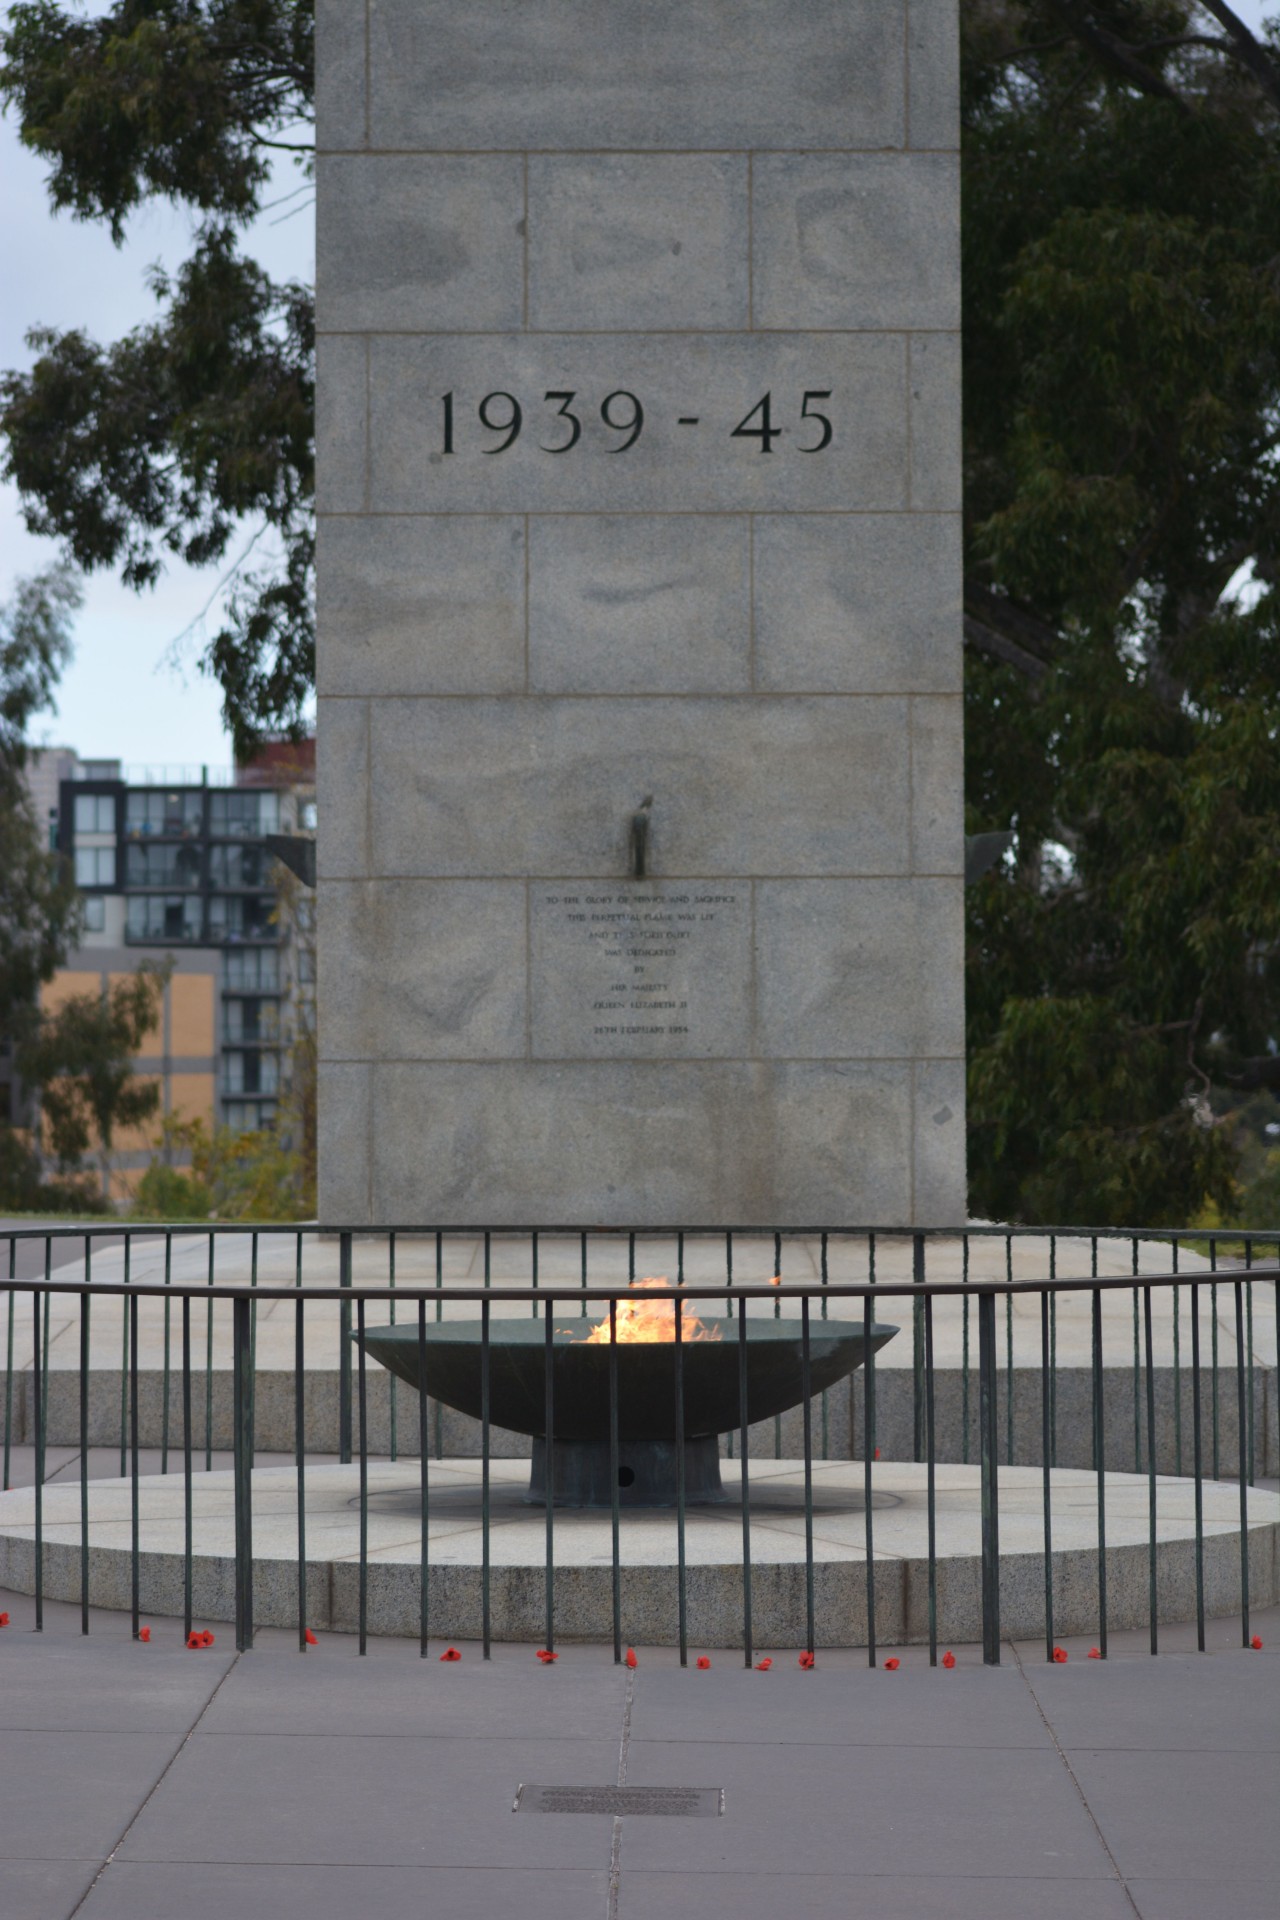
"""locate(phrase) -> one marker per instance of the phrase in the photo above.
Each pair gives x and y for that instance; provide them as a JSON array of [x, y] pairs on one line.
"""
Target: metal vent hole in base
[[690, 1803]]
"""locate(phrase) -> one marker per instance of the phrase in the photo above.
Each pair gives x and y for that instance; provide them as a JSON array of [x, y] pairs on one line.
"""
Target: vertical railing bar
[[486, 1609], [584, 1275], [868, 1453], [777, 1314], [186, 1464], [362, 1404], [297, 1273], [208, 1370], [241, 1456], [299, 1460], [917, 1350], [1099, 1457], [1242, 1474], [931, 1487], [964, 1351], [423, 1471], [533, 1252], [1137, 1375], [135, 1571], [681, 1574], [745, 1475], [549, 1471], [439, 1414], [1248, 1298], [345, 1281], [990, 1480], [1151, 1466], [1008, 1328], [613, 1482], [84, 1462], [1177, 1370], [124, 1349], [164, 1397], [826, 1436], [1045, 1451], [1213, 1343], [806, 1392], [253, 1344], [391, 1391], [38, 1434], [1053, 1354], [8, 1365], [1198, 1459], [680, 1257]]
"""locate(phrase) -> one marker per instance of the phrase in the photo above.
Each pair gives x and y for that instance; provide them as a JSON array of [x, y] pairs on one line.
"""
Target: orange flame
[[652, 1320]]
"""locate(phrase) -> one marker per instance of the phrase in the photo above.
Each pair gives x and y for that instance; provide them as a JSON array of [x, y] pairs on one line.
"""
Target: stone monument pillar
[[639, 612]]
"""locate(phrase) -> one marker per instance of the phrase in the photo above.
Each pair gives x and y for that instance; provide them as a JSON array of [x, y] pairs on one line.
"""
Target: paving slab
[[1219, 1899], [1200, 1706], [54, 1683], [373, 1800], [130, 1890], [1205, 1816], [44, 1889], [1017, 1814], [856, 1896], [70, 1795]]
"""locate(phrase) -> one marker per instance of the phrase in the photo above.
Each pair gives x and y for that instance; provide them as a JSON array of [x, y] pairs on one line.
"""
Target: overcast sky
[[134, 691]]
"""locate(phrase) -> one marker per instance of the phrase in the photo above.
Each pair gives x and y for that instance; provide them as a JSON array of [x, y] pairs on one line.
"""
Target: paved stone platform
[[648, 1552], [143, 1782]]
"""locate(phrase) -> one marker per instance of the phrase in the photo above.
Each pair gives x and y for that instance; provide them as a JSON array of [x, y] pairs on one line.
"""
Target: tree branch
[[985, 640], [1247, 48], [1114, 54]]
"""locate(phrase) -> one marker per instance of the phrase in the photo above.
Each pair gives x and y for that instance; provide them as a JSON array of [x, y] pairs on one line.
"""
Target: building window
[[95, 866], [153, 917], [95, 813], [238, 866], [95, 913], [150, 812], [307, 816], [252, 971], [242, 816], [241, 916], [162, 865], [251, 1021]]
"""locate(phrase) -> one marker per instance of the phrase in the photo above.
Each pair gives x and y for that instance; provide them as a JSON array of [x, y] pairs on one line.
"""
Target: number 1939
[[622, 415]]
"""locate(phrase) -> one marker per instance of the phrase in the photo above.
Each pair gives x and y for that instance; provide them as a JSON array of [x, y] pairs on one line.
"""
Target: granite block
[[626, 1142], [640, 971], [866, 240], [860, 969], [418, 242], [937, 785], [938, 1158], [638, 241], [422, 969], [934, 364], [858, 603], [340, 73], [602, 74], [933, 75], [430, 604], [715, 380], [342, 786], [342, 424], [344, 1127], [639, 603], [549, 786]]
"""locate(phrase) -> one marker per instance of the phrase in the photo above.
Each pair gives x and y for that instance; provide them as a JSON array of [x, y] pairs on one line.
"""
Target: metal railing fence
[[188, 1352]]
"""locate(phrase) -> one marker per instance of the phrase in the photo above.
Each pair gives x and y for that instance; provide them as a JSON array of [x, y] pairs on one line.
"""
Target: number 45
[[766, 433]]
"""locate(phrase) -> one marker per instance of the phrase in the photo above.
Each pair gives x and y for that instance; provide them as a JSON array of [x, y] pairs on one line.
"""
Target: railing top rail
[[310, 1230], [568, 1291]]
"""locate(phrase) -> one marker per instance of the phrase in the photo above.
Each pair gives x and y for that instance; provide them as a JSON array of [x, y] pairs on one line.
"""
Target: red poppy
[[546, 1656], [1060, 1656], [891, 1666], [877, 1453], [4, 1619], [311, 1639], [631, 1656], [948, 1659], [451, 1653], [1255, 1643], [763, 1666], [806, 1660], [144, 1633], [1095, 1653], [194, 1642], [703, 1661], [206, 1638]]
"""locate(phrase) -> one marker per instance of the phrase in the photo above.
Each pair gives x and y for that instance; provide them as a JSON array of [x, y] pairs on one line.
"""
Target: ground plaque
[[639, 637]]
